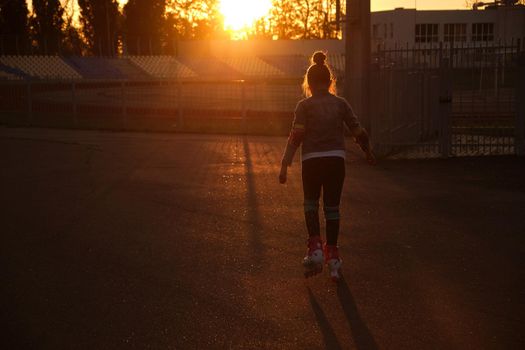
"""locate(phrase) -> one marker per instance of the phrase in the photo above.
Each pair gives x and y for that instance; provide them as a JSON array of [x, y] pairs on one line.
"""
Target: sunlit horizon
[[240, 16], [378, 5]]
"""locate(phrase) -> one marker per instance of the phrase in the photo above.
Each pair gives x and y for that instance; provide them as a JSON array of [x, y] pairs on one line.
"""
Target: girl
[[319, 126]]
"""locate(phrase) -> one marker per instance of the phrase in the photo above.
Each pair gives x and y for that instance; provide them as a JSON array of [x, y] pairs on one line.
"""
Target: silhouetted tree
[[47, 23], [193, 19], [73, 43], [143, 26], [99, 20], [304, 19], [261, 29], [325, 18], [13, 27], [284, 21]]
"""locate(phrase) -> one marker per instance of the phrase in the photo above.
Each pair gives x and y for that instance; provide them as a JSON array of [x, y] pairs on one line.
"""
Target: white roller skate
[[313, 261], [333, 261]]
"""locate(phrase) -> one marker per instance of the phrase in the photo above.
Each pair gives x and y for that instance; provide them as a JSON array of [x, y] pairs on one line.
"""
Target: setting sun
[[240, 15]]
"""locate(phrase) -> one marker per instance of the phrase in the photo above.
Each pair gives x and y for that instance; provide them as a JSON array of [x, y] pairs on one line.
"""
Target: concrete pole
[[29, 94], [123, 102], [358, 58], [520, 109], [180, 106], [243, 107], [74, 103]]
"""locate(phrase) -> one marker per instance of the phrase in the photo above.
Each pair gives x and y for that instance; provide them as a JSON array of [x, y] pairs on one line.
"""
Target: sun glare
[[240, 15]]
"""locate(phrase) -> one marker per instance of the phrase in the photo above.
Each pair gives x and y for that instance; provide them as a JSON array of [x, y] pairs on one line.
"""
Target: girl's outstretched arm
[[362, 139], [360, 134], [294, 141]]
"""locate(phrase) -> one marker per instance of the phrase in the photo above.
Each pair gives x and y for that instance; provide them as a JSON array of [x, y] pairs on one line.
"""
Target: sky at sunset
[[242, 12], [381, 5]]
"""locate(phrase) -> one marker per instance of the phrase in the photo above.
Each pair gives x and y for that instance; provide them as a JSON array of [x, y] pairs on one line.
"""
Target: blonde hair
[[318, 75]]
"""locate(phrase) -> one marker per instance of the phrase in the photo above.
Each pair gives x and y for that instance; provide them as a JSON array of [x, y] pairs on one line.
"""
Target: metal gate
[[446, 100]]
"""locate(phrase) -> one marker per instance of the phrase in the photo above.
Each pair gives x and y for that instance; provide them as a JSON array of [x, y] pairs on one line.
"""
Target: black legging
[[328, 174]]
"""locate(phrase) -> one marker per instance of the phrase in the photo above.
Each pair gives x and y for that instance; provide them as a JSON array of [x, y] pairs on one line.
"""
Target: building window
[[375, 31], [482, 31], [455, 32], [427, 33]]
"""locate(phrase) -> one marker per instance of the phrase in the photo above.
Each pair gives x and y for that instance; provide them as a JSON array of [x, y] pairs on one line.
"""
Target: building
[[408, 27]]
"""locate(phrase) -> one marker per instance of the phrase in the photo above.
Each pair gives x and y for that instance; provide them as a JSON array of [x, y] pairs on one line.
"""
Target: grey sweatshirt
[[319, 125]]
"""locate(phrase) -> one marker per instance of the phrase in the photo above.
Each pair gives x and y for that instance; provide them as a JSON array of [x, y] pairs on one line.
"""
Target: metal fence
[[432, 101], [259, 107], [448, 100]]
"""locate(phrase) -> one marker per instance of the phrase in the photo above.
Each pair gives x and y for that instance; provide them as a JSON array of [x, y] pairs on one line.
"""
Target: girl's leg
[[312, 182], [333, 179], [332, 186]]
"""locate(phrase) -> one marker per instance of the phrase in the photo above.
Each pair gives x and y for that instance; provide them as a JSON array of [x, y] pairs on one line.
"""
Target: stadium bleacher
[[159, 67], [251, 66], [210, 68], [94, 67], [290, 65], [8, 76], [39, 67], [128, 68], [11, 73], [164, 67]]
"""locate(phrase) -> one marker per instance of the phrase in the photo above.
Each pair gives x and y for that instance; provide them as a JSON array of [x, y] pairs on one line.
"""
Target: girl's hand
[[371, 158], [282, 174]]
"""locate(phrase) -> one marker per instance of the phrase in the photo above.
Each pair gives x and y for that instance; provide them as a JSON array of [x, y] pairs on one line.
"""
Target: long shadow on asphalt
[[329, 337], [363, 339], [254, 220]]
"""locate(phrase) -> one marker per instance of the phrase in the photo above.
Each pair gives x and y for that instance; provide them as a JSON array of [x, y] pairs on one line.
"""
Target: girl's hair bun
[[319, 58]]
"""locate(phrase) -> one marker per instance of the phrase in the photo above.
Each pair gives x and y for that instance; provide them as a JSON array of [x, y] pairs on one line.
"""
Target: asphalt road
[[165, 241]]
